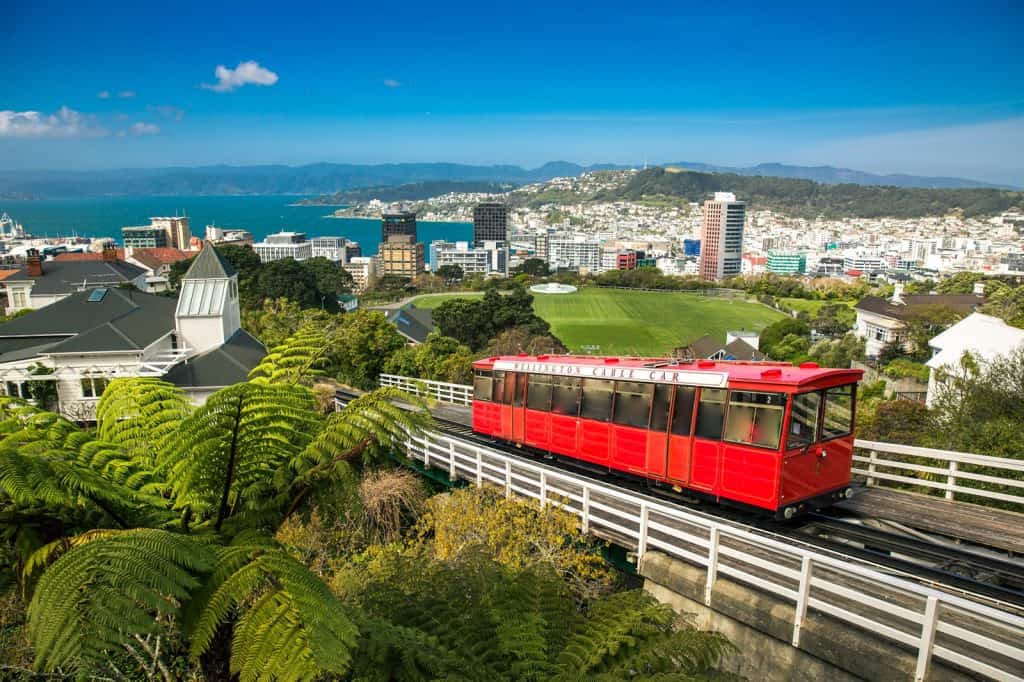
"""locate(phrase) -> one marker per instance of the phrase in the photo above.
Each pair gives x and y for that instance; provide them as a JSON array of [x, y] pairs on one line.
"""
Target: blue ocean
[[261, 215]]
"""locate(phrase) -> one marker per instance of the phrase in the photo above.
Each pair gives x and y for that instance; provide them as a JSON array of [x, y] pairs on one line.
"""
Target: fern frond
[[295, 630], [298, 360], [236, 448], [140, 414], [101, 594]]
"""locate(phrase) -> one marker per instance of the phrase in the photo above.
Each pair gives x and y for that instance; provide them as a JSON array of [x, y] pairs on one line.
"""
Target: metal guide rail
[[934, 624]]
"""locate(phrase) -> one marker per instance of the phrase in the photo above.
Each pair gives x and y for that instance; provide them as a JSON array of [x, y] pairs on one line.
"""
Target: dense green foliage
[[440, 358], [804, 198], [475, 322], [312, 283]]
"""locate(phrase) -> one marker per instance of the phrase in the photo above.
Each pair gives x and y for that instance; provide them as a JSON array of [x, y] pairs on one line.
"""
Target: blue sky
[[924, 88]]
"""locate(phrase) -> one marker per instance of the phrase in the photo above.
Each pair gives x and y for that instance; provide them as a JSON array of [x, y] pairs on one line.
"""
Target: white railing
[[941, 470], [457, 394], [944, 472], [930, 622]]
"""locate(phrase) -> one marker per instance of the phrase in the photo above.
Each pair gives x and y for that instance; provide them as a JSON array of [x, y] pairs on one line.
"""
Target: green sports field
[[638, 322], [644, 322]]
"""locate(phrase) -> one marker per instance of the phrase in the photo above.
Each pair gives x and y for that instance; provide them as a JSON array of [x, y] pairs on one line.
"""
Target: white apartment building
[[331, 248], [574, 251], [284, 245], [863, 262], [721, 250], [491, 258], [363, 270]]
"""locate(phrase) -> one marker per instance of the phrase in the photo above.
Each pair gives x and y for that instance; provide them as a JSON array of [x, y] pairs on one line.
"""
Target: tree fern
[[366, 429], [99, 595], [140, 414], [295, 629], [236, 450], [298, 360]]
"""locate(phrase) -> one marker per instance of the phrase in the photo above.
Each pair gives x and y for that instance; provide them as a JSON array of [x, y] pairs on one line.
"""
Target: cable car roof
[[709, 373]]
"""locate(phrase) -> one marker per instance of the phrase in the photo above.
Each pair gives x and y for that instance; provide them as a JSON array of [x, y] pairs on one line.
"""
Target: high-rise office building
[[144, 237], [177, 233], [402, 256], [400, 222], [721, 237], [490, 222]]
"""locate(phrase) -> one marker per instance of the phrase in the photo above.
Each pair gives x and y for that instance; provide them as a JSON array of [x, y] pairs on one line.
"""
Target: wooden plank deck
[[976, 524]]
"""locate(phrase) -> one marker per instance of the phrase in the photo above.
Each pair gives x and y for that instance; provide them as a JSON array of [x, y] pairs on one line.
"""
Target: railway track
[[973, 573]]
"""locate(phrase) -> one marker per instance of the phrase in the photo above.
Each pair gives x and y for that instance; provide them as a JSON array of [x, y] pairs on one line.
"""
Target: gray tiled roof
[[121, 320], [65, 277], [209, 265], [962, 303], [224, 366], [411, 322]]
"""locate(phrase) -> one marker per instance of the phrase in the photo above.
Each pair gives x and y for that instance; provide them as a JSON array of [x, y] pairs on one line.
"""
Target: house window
[[18, 299], [17, 389], [93, 387]]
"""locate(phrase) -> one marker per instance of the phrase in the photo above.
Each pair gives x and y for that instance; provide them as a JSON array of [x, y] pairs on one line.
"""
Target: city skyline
[[921, 89]]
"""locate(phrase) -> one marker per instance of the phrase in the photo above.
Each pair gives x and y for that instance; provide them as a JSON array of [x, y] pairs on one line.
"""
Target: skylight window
[[96, 295]]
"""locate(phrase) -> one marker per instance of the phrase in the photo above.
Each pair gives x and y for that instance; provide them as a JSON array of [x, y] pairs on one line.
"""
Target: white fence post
[[951, 479], [871, 468], [802, 598], [586, 508], [508, 479], [641, 547], [924, 651], [543, 488], [712, 564], [451, 461]]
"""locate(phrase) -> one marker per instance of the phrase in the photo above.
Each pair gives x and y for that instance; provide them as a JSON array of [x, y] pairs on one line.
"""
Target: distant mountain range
[[328, 178], [831, 175]]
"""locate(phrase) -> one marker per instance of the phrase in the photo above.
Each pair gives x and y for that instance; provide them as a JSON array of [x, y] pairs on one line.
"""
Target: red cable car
[[765, 435]]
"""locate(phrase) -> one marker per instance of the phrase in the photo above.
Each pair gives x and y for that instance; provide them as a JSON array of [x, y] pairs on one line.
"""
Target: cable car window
[[565, 396], [710, 413], [659, 409], [539, 395], [803, 420], [597, 399], [482, 386], [632, 403], [755, 418], [838, 420], [520, 396], [511, 379], [498, 394], [683, 410]]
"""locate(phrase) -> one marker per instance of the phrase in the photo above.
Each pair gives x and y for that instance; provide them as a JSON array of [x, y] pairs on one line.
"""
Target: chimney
[[897, 294], [109, 253], [33, 263]]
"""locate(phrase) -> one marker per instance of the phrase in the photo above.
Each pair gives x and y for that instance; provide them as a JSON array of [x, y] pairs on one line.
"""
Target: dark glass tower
[[490, 222], [401, 222]]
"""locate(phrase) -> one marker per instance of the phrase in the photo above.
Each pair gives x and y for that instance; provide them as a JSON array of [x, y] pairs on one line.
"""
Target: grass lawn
[[644, 323], [809, 306], [433, 300]]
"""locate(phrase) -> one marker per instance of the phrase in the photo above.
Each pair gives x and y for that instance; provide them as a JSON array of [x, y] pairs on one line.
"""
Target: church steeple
[[208, 313]]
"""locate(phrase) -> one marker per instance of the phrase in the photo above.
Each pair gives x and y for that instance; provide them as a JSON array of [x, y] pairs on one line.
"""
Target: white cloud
[[245, 73], [64, 123], [392, 83], [126, 94], [168, 111], [103, 94], [141, 128]]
